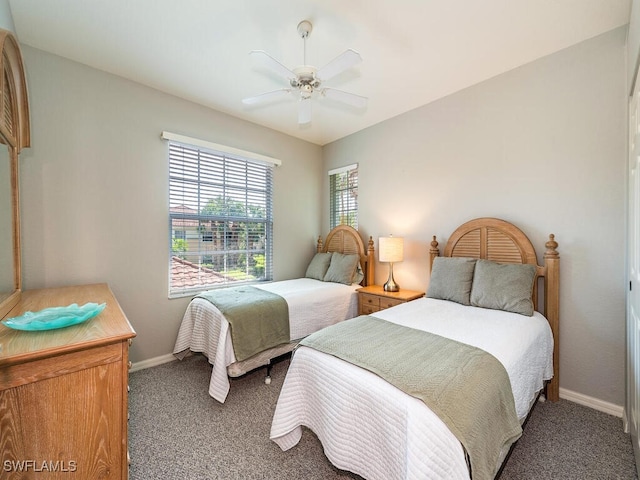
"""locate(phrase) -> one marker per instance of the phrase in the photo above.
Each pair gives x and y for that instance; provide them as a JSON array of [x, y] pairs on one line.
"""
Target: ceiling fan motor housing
[[305, 79]]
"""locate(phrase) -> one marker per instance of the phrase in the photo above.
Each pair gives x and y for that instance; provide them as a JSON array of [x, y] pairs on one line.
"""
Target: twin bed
[[365, 421], [436, 388], [312, 302]]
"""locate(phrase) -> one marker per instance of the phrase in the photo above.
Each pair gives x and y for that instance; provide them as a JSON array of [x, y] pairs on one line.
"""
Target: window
[[343, 196], [220, 217]]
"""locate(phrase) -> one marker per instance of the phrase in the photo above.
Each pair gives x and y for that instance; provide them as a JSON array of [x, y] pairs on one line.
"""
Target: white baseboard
[[152, 362], [600, 405]]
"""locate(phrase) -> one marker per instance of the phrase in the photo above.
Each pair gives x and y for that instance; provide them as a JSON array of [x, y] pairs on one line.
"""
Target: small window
[[343, 196], [220, 219]]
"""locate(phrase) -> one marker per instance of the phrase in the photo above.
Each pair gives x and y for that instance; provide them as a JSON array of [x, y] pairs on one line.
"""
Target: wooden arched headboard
[[347, 240], [500, 241]]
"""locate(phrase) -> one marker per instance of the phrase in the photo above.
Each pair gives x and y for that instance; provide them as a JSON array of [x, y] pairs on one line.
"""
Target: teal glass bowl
[[55, 317]]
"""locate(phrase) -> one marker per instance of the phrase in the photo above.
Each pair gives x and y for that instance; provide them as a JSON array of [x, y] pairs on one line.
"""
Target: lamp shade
[[391, 249]]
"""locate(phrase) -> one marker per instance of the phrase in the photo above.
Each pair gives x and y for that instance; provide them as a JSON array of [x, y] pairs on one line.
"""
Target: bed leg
[[267, 379]]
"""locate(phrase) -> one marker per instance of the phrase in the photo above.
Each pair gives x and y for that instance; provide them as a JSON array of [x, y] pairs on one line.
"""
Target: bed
[[368, 425], [325, 296]]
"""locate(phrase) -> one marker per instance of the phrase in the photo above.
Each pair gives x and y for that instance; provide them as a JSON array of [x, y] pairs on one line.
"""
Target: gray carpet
[[177, 431]]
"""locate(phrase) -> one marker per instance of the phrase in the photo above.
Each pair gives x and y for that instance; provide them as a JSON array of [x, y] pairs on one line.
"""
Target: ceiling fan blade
[[304, 111], [345, 97], [342, 62], [272, 64], [264, 97]]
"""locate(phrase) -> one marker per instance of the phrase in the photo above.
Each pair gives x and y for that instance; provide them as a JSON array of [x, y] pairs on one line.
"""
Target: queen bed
[[325, 296], [384, 418]]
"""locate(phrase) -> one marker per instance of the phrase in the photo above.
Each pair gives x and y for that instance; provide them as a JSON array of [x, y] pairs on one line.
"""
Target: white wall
[[542, 146], [6, 19], [94, 189], [633, 44]]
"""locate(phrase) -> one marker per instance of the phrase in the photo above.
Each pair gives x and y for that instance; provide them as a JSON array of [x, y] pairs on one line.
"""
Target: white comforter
[[369, 427], [312, 305]]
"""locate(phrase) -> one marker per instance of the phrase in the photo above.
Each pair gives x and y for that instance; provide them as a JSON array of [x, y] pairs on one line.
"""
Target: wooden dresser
[[63, 393]]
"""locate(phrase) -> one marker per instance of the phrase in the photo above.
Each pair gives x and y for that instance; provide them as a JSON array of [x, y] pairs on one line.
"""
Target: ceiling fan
[[305, 81]]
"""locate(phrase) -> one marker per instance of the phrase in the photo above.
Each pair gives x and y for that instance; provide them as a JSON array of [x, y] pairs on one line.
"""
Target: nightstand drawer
[[368, 309], [389, 302], [374, 298], [368, 300]]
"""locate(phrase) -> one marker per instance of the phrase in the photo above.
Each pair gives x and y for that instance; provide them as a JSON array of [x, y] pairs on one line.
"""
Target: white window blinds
[[343, 196], [220, 217]]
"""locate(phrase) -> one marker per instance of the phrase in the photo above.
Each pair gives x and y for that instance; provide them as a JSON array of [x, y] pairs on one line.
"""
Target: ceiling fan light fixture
[[306, 92], [306, 79], [304, 110]]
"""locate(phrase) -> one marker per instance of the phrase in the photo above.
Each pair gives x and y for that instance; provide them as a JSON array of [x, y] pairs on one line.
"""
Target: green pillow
[[342, 268], [318, 266], [451, 279], [503, 286]]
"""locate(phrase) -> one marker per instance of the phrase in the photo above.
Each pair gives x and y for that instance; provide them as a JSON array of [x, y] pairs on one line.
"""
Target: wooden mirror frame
[[15, 133]]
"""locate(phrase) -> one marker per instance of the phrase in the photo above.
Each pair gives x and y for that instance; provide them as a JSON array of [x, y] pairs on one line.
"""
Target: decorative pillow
[[342, 268], [319, 265], [503, 287], [451, 279]]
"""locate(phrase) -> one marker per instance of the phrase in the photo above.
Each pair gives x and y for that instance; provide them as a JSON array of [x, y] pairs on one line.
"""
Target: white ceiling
[[414, 51]]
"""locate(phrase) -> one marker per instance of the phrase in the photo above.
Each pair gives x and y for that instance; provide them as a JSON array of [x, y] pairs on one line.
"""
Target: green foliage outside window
[[179, 247], [237, 231]]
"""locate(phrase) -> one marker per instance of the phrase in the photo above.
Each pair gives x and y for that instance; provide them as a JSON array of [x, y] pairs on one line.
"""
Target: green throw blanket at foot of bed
[[258, 319], [467, 388]]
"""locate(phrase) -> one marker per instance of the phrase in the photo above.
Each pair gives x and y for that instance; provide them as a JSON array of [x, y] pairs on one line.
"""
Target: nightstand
[[373, 298]]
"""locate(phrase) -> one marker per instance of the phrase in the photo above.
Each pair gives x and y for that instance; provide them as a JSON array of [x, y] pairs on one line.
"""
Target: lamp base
[[391, 285]]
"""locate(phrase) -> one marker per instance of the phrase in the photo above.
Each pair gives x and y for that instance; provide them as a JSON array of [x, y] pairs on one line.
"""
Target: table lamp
[[391, 251]]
